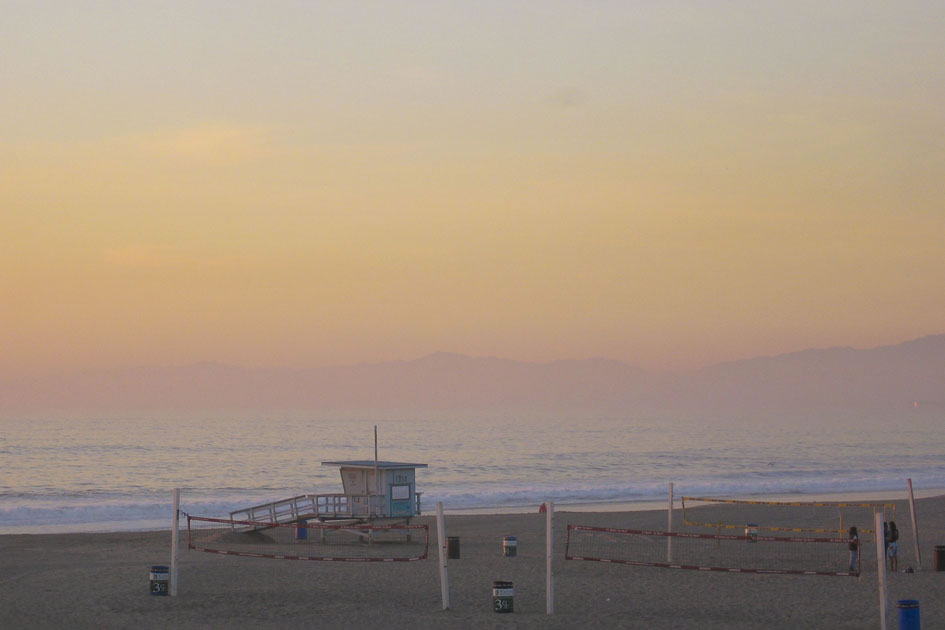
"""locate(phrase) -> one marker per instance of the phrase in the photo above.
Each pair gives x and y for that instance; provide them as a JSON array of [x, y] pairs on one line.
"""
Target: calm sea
[[109, 475]]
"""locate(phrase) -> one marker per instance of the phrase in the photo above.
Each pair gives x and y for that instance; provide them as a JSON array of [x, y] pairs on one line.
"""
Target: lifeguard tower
[[373, 491]]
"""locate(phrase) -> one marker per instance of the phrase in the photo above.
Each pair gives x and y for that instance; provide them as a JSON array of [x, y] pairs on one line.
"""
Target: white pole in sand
[[174, 539], [549, 544], [880, 567], [377, 480], [915, 526], [669, 526], [441, 542]]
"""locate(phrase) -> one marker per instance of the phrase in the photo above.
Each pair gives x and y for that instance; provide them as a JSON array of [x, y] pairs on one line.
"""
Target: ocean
[[115, 475]]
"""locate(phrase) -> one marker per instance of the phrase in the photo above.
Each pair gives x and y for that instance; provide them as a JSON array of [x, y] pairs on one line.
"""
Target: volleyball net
[[711, 552], [328, 542], [815, 517]]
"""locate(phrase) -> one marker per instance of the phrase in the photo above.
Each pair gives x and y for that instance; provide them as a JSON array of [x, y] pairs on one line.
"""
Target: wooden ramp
[[323, 507]]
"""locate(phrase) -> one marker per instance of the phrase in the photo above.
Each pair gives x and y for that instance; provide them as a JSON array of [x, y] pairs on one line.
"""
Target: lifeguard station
[[373, 491]]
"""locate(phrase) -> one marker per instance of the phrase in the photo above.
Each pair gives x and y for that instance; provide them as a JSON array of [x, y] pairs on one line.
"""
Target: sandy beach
[[101, 580]]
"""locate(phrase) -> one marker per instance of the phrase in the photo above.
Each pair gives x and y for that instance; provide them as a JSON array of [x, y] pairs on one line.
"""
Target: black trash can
[[503, 597], [452, 547], [940, 557], [158, 579]]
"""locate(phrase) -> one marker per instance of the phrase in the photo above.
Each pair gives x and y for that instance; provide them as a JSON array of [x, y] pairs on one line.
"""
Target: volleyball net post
[[881, 570], [915, 526], [669, 525], [441, 545], [549, 547], [175, 539]]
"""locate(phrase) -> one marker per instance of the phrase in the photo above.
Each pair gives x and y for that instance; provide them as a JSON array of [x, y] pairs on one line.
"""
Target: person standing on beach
[[892, 547], [854, 538]]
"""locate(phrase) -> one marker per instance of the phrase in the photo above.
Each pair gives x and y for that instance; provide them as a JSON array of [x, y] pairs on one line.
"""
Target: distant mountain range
[[887, 379]]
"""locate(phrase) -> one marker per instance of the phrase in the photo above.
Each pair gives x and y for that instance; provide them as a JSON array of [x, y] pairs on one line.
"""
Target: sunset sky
[[670, 184]]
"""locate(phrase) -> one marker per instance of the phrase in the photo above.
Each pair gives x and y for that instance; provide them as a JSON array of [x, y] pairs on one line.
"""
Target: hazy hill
[[877, 379], [811, 381]]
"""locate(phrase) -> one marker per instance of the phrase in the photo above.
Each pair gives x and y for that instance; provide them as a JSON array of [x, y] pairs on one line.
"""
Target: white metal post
[[880, 567], [669, 525], [915, 526], [549, 546], [175, 529], [377, 481], [441, 543]]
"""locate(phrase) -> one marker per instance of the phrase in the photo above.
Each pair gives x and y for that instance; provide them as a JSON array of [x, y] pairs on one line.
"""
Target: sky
[[671, 184]]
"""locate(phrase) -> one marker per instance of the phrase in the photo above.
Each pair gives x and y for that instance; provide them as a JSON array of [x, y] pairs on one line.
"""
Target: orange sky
[[276, 183]]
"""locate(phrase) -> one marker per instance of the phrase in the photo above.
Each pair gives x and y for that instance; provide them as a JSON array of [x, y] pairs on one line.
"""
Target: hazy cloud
[[213, 143], [567, 97], [155, 257], [138, 256]]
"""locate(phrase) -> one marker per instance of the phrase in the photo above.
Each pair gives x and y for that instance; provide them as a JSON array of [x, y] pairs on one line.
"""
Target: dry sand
[[101, 581]]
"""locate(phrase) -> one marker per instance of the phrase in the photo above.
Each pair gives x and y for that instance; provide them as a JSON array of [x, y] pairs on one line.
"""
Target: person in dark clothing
[[892, 547]]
